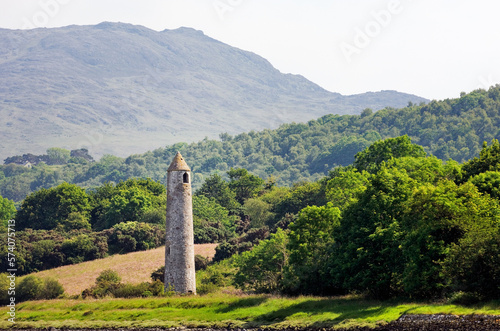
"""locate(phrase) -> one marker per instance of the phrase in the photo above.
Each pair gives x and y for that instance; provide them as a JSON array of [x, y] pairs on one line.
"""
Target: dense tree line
[[396, 223], [67, 224], [449, 129]]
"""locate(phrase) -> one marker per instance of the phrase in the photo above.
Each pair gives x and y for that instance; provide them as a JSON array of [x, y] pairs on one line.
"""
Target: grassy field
[[133, 268], [223, 310]]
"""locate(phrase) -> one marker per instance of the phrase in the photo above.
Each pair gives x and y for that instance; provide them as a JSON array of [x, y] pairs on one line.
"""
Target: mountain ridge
[[117, 88]]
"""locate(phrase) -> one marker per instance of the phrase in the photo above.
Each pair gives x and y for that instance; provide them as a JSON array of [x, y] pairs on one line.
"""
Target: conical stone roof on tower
[[178, 164]]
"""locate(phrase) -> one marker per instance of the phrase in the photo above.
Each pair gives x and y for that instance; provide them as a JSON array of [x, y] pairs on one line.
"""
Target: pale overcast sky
[[432, 48]]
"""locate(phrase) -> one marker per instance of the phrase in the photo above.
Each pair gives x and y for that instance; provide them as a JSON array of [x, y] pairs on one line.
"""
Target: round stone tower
[[179, 246]]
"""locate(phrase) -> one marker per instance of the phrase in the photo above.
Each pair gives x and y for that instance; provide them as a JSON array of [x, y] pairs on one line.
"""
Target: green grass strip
[[221, 310]]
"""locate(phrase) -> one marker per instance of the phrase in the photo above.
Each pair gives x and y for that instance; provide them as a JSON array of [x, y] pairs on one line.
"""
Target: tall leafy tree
[[370, 158], [7, 209], [258, 211], [46, 208], [488, 182], [436, 217], [261, 269], [343, 189], [212, 222], [310, 238], [244, 184], [133, 200], [301, 195], [488, 160], [472, 264], [58, 155], [367, 246], [214, 187]]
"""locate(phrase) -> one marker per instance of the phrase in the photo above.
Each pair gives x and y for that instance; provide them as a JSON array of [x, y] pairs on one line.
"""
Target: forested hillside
[[452, 128]]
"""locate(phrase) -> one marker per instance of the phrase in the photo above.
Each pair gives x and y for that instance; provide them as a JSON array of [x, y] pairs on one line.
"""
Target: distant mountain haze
[[121, 89]]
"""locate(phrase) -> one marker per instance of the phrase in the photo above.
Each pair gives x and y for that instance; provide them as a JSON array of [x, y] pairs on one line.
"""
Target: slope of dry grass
[[133, 268]]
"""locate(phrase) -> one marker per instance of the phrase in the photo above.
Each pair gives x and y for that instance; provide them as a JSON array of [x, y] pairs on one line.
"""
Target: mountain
[[118, 89]]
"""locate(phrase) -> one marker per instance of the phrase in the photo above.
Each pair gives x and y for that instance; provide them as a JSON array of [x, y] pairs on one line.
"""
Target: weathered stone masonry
[[179, 248]]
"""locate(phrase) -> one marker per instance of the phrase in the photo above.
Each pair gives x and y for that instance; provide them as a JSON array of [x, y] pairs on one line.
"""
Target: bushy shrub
[[105, 285], [134, 236], [216, 276], [159, 274], [131, 290], [465, 298], [30, 288], [144, 289], [200, 262], [52, 289], [84, 248], [224, 251], [108, 276], [109, 284]]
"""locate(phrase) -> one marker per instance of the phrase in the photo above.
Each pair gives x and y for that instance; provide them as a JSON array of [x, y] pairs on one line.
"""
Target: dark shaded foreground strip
[[405, 322], [443, 322]]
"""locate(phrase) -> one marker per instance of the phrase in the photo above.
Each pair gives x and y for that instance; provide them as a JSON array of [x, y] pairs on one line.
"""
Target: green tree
[[345, 186], [58, 155], [310, 238], [258, 211], [436, 217], [75, 221], [367, 255], [488, 160], [301, 195], [47, 208], [29, 288], [488, 182], [472, 264], [244, 184], [133, 200], [218, 189], [7, 209], [212, 222], [210, 210], [370, 158], [261, 269], [128, 205]]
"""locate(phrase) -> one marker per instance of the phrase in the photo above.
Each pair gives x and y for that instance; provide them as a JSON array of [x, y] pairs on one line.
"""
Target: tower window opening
[[185, 178]]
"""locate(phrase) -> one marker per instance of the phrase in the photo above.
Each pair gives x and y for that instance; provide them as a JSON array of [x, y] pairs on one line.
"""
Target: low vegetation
[[224, 310]]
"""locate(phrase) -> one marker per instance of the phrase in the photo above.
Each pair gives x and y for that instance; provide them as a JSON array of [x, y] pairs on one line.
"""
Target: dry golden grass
[[133, 268]]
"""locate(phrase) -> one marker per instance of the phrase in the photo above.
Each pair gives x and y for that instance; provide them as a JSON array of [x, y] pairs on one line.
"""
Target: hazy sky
[[433, 48]]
